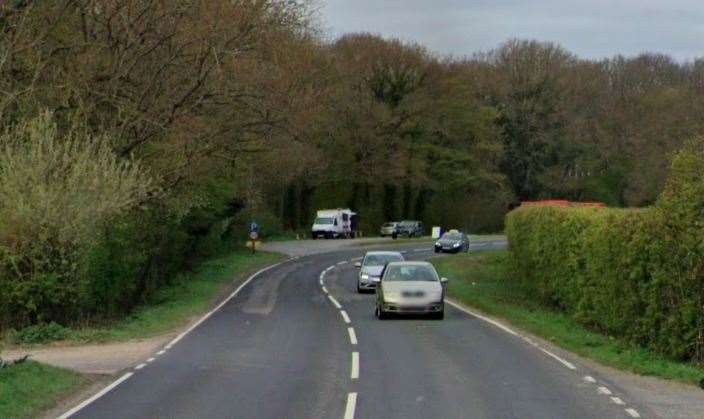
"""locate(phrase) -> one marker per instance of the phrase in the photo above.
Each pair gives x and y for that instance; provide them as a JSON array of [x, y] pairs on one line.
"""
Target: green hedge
[[634, 274]]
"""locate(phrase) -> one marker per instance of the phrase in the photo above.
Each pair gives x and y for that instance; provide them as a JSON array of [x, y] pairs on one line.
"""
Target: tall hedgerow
[[637, 274]]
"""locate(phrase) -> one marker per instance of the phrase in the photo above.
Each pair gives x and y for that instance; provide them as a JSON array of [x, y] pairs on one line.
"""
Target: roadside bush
[[636, 274], [40, 333]]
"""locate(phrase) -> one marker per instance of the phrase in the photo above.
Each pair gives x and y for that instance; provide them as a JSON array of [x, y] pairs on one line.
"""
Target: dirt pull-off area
[[108, 358]]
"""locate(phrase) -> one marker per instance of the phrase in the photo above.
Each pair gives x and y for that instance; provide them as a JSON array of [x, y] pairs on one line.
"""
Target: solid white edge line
[[334, 301], [342, 263], [564, 362], [96, 396], [161, 352], [353, 335], [618, 401], [354, 374], [351, 405], [321, 281], [120, 380], [140, 366], [325, 290], [634, 413], [479, 316], [604, 390], [345, 317], [150, 360], [589, 379], [511, 332]]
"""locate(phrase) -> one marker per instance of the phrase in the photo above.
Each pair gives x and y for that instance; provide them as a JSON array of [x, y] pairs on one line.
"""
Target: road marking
[[161, 352], [634, 413], [351, 404], [345, 317], [486, 319], [150, 360], [604, 390], [558, 359], [96, 396], [173, 342], [589, 379], [140, 366], [342, 263], [321, 281], [356, 259], [420, 250], [325, 290], [353, 336], [617, 401], [334, 301], [355, 366], [512, 332]]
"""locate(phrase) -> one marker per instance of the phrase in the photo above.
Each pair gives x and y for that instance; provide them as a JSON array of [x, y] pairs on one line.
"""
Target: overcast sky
[[589, 28]]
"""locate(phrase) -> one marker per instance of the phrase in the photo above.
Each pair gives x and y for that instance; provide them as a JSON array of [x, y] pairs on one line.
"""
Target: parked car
[[387, 229], [409, 229], [453, 241], [371, 266], [410, 288]]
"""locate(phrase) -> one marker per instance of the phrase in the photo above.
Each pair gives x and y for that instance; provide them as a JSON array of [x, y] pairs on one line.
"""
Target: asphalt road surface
[[297, 341]]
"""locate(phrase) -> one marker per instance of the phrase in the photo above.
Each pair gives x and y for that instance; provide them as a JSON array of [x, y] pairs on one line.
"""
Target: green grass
[[29, 388], [173, 306], [481, 280]]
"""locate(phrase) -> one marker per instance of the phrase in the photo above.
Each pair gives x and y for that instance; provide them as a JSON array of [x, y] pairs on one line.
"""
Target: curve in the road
[[272, 349]]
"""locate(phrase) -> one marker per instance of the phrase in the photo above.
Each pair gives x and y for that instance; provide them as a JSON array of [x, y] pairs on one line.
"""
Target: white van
[[335, 223]]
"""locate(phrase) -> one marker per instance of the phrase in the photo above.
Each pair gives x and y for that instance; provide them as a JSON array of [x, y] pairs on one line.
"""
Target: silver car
[[410, 288], [371, 266]]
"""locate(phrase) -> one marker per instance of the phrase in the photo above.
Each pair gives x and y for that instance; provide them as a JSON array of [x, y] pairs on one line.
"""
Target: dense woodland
[[138, 135]]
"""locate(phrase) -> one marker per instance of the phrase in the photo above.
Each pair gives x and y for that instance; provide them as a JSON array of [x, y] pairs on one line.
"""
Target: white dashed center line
[[351, 405], [355, 366], [161, 352], [633, 413], [140, 366], [617, 401], [334, 301], [589, 379], [325, 290], [353, 336], [345, 317]]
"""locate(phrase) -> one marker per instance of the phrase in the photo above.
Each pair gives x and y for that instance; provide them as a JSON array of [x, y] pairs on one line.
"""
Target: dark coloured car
[[453, 241], [409, 229]]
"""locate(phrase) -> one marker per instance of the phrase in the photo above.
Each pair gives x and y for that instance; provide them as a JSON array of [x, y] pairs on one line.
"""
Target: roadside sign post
[[253, 235]]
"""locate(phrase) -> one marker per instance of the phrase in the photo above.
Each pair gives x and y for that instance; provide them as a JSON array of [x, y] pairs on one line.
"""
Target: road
[[297, 341]]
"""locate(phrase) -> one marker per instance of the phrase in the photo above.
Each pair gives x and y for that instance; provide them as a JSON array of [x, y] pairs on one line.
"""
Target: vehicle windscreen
[[452, 236], [410, 273], [381, 260], [324, 220]]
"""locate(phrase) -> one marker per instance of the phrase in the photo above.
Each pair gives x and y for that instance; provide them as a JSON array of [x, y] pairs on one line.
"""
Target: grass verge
[[173, 306], [29, 388], [482, 280]]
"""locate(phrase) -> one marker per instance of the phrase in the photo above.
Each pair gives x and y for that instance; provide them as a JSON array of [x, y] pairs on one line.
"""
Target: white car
[[371, 266], [410, 288]]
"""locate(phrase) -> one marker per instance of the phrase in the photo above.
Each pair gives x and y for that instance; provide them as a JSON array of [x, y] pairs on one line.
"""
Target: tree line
[[138, 136]]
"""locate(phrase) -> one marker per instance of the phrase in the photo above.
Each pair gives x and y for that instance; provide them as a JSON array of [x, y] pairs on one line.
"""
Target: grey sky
[[589, 28]]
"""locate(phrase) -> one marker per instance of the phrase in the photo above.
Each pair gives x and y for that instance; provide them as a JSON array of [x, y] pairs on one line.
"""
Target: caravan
[[334, 224]]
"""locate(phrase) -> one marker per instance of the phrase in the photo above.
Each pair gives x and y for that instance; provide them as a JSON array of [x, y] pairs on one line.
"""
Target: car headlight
[[437, 244], [392, 298], [457, 245], [365, 276]]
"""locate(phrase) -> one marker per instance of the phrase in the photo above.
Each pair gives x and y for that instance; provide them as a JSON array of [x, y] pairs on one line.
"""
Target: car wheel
[[439, 315], [437, 250], [380, 314]]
